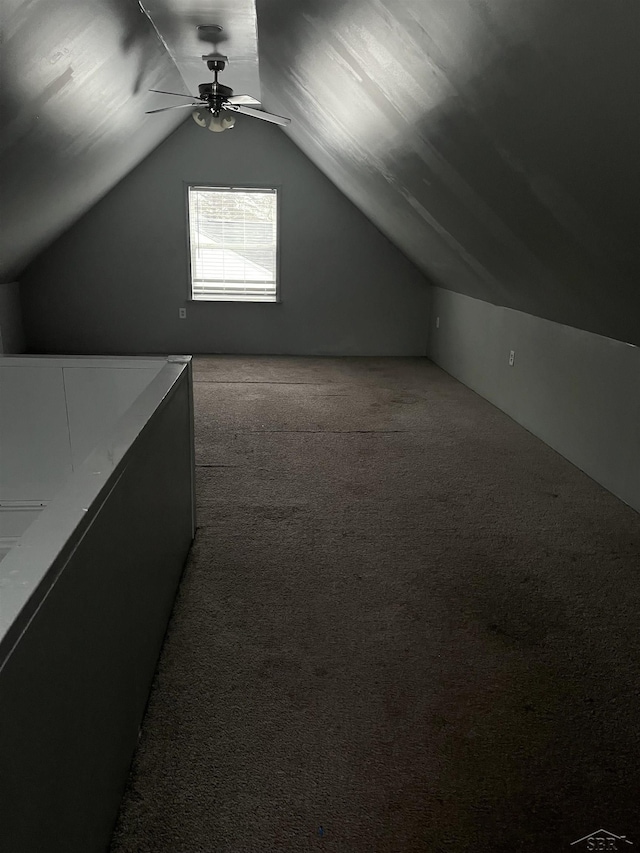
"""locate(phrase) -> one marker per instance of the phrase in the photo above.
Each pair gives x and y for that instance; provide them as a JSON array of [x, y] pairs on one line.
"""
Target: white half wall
[[34, 432], [577, 391], [53, 412], [84, 605]]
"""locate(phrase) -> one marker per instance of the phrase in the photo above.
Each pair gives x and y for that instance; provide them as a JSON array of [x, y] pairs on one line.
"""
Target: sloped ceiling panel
[[75, 75], [495, 141], [177, 23]]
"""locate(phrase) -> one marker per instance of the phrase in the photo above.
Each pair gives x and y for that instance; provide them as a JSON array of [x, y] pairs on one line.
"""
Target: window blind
[[233, 242]]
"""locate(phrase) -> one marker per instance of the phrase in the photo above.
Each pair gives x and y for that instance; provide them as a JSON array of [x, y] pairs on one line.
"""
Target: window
[[233, 244]]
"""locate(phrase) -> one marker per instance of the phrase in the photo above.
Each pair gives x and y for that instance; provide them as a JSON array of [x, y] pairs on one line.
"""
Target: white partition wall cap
[[31, 568]]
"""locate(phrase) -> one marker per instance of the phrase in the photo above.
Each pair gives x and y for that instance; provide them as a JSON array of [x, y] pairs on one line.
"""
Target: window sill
[[234, 301]]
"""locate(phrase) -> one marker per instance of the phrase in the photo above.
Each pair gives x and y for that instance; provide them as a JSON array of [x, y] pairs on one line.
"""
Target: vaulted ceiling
[[494, 141]]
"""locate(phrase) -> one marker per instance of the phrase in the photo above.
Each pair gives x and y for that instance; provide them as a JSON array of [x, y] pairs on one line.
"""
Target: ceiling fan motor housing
[[215, 94], [211, 90]]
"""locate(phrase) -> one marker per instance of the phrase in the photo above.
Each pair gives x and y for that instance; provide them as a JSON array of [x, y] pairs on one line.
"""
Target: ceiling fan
[[216, 103]]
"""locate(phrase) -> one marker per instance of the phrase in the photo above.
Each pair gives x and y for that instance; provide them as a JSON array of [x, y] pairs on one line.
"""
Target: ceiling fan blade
[[176, 107], [249, 111], [177, 94], [244, 100]]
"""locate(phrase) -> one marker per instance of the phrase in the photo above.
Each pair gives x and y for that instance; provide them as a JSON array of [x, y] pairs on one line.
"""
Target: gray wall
[[11, 330], [115, 281], [577, 391]]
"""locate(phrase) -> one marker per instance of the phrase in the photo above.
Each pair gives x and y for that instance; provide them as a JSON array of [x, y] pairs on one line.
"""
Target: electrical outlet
[[182, 313], [512, 357], [437, 322]]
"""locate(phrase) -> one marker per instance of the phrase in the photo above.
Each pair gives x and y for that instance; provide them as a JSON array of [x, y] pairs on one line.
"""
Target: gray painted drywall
[[115, 281], [494, 141], [59, 158], [577, 391], [11, 330]]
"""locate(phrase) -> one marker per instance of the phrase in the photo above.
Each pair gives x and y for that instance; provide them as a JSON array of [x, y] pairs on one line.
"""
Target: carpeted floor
[[406, 625]]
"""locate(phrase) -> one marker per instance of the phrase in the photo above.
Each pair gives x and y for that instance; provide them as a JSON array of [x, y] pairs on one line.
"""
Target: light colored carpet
[[406, 625]]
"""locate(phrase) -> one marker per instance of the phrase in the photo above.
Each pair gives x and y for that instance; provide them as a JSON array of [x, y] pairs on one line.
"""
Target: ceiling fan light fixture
[[220, 122], [201, 117]]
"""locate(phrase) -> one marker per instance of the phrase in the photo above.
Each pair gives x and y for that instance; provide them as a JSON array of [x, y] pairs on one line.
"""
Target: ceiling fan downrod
[[215, 93]]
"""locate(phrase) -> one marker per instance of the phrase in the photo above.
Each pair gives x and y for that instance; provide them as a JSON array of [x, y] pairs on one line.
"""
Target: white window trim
[[276, 190]]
